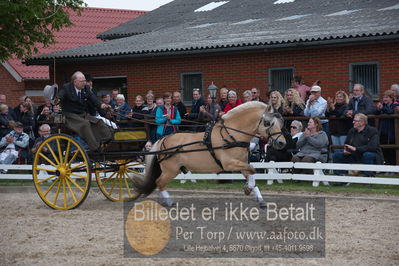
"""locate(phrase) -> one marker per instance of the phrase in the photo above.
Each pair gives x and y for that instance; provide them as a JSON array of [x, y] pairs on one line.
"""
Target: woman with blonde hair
[[338, 127], [276, 100], [293, 104]]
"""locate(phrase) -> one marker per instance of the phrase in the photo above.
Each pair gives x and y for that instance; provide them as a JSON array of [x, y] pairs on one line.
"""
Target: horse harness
[[208, 143], [233, 143], [228, 144]]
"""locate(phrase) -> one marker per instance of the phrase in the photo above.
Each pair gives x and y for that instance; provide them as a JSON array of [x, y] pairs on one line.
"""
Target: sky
[[146, 5]]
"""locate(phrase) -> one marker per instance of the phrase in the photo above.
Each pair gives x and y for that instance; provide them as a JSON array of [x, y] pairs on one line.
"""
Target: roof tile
[[83, 32], [175, 26]]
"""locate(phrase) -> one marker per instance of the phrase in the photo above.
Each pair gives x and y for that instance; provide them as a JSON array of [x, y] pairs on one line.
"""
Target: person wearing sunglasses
[[296, 129]]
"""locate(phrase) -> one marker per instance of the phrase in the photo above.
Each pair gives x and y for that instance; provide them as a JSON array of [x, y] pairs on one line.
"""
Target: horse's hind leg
[[166, 200]]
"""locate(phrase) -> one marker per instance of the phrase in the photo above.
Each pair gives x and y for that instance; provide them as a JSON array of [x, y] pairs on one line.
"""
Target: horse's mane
[[243, 107]]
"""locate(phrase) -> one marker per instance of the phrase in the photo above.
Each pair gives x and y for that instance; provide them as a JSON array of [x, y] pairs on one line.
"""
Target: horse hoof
[[247, 190], [168, 202], [262, 204]]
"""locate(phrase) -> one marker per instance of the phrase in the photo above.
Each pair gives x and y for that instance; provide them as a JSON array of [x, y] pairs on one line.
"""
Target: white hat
[[316, 88]]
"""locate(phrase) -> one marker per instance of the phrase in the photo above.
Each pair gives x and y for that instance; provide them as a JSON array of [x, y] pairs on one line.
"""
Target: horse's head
[[270, 127]]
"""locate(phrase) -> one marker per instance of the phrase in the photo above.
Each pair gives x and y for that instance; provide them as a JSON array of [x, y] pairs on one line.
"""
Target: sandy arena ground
[[360, 230]]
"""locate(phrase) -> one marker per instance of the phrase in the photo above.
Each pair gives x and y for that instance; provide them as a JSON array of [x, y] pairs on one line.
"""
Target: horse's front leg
[[249, 173], [251, 187], [239, 166]]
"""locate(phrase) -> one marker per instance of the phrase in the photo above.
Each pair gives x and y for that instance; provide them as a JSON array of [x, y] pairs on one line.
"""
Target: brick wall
[[10, 87], [246, 70]]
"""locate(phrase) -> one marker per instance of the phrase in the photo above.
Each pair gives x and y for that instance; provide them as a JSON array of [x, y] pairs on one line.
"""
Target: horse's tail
[[152, 171]]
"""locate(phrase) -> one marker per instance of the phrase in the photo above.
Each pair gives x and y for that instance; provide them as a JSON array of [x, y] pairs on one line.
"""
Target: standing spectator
[[247, 96], [313, 144], [3, 100], [6, 120], [158, 102], [105, 114], [209, 112], [362, 145], [276, 100], [196, 103], [139, 111], [386, 126], [256, 95], [25, 115], [13, 142], [114, 93], [316, 106], [293, 104], [151, 109], [44, 132], [223, 98], [167, 117], [179, 104], [395, 90], [338, 127], [153, 129], [122, 108], [359, 103], [233, 102], [150, 103], [29, 101], [105, 99], [299, 85]]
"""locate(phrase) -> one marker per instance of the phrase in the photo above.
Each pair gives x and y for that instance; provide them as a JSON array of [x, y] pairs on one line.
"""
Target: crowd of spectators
[[308, 139]]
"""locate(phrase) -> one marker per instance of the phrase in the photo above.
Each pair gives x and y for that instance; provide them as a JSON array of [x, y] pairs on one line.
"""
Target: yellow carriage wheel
[[114, 179], [61, 172]]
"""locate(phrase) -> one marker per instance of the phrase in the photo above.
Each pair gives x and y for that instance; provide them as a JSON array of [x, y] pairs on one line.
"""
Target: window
[[189, 81], [366, 74], [106, 84], [280, 79]]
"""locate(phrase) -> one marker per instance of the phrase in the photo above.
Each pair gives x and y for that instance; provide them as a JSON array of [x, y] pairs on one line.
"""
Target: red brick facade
[[235, 70], [10, 87], [248, 69]]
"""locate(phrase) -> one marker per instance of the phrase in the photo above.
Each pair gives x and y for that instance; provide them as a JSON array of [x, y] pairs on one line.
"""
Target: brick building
[[17, 79], [243, 44]]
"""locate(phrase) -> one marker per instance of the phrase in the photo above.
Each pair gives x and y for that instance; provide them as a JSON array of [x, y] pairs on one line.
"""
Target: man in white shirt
[[316, 106]]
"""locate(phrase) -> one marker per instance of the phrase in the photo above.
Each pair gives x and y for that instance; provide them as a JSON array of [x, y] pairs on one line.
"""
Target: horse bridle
[[271, 135], [273, 139]]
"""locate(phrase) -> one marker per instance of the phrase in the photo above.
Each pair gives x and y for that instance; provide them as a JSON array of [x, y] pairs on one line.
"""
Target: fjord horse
[[229, 141]]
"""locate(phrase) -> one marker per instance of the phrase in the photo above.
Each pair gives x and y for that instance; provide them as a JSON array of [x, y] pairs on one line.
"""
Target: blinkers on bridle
[[268, 125]]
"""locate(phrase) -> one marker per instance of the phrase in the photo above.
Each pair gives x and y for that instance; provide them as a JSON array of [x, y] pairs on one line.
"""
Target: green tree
[[26, 25]]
